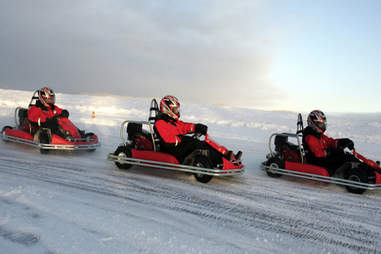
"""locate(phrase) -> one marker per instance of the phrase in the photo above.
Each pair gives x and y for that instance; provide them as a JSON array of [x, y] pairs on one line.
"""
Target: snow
[[67, 202]]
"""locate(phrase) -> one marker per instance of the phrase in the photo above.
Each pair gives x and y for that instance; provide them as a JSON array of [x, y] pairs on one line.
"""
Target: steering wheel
[[196, 135]]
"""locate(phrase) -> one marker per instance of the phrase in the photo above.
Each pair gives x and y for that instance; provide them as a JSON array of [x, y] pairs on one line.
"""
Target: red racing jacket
[[39, 113], [318, 144], [170, 129]]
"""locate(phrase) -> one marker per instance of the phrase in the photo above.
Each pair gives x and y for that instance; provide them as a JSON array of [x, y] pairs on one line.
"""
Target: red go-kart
[[289, 159], [142, 148], [43, 138]]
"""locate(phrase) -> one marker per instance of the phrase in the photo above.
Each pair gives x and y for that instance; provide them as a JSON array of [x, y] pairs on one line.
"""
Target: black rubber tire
[[274, 162], [123, 151], [43, 138], [358, 174], [202, 162], [44, 151], [89, 134]]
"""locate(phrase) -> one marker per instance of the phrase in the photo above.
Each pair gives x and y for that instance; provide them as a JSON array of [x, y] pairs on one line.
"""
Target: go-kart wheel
[[274, 163], [357, 174], [123, 151], [202, 162], [44, 151], [44, 138], [88, 138]]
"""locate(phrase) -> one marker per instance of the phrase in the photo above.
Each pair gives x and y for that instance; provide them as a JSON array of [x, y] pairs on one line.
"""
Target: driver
[[172, 131], [322, 150], [44, 113]]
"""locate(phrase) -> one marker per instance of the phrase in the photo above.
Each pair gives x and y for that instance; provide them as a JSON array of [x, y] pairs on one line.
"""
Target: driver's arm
[[185, 128]]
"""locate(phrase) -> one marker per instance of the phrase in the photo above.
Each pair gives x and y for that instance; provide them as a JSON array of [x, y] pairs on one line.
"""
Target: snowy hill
[[81, 203]]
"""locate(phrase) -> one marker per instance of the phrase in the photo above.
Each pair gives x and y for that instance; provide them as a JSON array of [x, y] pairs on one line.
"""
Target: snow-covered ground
[[67, 202]]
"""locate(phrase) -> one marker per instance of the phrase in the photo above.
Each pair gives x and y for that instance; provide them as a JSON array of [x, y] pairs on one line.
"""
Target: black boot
[[82, 133], [238, 155]]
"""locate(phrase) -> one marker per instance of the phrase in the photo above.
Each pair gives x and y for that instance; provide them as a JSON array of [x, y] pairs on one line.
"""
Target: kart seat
[[134, 129], [290, 151], [282, 142], [23, 121], [142, 138]]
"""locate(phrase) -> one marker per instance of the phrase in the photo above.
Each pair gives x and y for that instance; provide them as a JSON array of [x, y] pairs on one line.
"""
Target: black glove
[[64, 113], [346, 142], [201, 128]]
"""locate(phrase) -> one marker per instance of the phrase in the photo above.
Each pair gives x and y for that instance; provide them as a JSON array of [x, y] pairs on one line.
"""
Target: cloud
[[201, 51]]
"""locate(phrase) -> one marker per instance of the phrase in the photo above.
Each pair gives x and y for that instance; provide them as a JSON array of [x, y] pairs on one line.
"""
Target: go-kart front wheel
[[123, 152], [202, 162], [44, 138], [357, 175]]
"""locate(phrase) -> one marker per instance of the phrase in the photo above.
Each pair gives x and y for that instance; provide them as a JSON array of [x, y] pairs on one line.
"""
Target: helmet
[[317, 121], [170, 106], [47, 96]]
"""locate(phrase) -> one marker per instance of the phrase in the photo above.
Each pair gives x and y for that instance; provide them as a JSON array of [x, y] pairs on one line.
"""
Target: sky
[[272, 55]]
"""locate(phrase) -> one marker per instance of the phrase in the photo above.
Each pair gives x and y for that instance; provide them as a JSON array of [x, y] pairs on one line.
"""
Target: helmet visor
[[176, 110], [50, 99], [321, 125]]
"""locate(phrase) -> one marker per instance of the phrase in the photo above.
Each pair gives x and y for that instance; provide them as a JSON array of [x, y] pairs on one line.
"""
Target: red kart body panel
[[143, 143], [230, 165], [154, 156], [306, 168], [168, 158], [18, 134], [223, 150], [378, 178], [56, 140], [66, 124]]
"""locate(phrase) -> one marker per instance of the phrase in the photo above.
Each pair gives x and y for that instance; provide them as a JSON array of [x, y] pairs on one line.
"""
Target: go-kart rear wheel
[[123, 151], [202, 162], [274, 163], [357, 174]]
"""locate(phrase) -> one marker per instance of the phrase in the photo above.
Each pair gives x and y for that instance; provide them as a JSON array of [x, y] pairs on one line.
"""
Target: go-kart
[[142, 148], [43, 138], [289, 159]]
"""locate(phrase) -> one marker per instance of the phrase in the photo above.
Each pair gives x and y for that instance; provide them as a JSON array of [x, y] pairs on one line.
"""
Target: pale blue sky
[[266, 54], [329, 50]]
